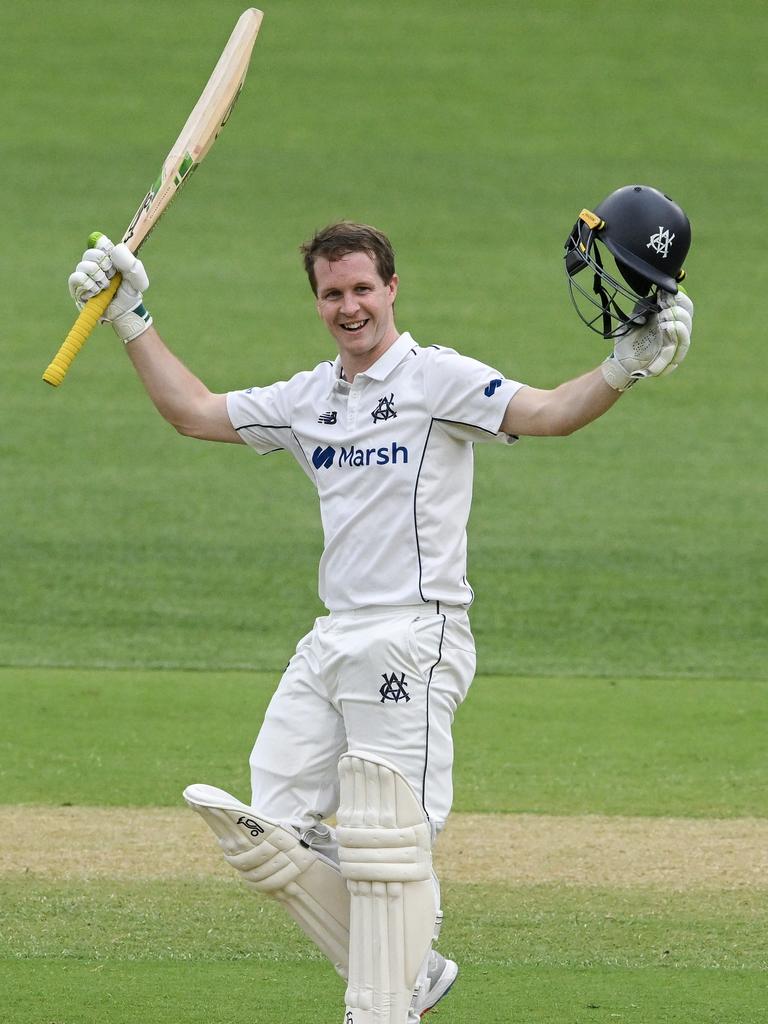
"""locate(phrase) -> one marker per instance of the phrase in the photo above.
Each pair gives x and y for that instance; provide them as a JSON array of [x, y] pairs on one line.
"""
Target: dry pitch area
[[669, 853]]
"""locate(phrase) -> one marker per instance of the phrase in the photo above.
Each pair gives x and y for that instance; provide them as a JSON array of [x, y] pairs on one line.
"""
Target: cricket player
[[359, 728]]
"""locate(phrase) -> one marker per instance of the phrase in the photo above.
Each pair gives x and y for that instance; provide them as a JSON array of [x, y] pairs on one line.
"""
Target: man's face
[[357, 308]]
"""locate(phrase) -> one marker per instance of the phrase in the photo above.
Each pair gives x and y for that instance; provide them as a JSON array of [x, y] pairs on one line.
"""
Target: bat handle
[[78, 335]]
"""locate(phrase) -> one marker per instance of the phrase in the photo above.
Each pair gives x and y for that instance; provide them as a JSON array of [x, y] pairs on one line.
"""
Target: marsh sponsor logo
[[393, 454], [323, 457]]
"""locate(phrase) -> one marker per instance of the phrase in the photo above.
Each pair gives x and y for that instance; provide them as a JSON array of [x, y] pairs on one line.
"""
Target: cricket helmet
[[648, 235]]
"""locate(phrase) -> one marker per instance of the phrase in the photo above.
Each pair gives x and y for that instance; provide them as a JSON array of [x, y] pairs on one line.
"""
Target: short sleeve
[[263, 416], [468, 397]]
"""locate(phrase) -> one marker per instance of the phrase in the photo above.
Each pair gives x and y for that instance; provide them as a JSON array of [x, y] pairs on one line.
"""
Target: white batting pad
[[385, 851], [272, 859]]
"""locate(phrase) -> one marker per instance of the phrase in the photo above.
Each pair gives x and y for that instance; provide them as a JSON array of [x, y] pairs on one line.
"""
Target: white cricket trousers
[[387, 680]]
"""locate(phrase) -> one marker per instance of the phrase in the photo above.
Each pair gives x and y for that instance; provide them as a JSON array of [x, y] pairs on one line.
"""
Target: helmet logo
[[660, 242]]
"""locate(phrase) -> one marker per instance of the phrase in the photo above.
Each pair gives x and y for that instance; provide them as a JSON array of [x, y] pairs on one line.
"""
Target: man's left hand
[[655, 348]]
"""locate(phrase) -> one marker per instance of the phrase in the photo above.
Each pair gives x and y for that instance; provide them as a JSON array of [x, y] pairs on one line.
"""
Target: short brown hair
[[338, 240]]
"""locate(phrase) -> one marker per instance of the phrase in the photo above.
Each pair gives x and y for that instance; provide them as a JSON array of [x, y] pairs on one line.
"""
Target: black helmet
[[648, 236]]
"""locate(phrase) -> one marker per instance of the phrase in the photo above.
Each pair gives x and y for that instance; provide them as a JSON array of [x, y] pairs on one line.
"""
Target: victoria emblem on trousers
[[394, 687]]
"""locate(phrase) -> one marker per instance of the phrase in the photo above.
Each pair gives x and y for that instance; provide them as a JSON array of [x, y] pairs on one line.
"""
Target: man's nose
[[349, 304]]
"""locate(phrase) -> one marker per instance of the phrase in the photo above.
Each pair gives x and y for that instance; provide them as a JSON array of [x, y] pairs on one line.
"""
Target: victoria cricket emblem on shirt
[[660, 242], [384, 410], [394, 687]]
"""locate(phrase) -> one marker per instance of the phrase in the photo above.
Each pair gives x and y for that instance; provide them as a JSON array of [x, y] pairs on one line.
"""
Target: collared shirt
[[391, 456]]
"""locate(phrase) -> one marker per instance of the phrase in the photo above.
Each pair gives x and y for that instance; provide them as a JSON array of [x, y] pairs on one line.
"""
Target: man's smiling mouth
[[355, 325]]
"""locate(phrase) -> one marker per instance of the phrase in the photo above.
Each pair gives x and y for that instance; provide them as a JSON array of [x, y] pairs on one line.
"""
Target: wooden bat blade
[[212, 110], [208, 117]]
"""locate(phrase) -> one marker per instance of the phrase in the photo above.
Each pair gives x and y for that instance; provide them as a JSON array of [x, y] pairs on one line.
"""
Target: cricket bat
[[210, 114]]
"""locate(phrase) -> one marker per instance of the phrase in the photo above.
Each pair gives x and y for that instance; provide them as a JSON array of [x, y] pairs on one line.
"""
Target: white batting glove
[[654, 348], [92, 275]]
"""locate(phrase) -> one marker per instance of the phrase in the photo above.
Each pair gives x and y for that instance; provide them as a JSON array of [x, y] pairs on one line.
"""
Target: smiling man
[[355, 300], [360, 725]]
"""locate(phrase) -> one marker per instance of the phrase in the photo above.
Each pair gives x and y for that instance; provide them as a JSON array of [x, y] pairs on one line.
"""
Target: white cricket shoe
[[441, 974]]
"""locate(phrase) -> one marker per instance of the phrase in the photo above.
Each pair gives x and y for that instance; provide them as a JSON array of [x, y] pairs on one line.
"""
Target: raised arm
[[178, 395], [653, 349], [561, 411]]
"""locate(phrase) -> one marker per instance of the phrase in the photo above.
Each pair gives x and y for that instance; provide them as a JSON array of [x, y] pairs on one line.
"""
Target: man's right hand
[[653, 348], [92, 275]]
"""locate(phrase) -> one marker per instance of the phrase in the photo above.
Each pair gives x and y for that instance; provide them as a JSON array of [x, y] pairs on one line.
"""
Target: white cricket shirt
[[391, 456]]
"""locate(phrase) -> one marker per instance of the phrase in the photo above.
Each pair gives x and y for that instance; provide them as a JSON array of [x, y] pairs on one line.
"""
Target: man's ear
[[392, 286]]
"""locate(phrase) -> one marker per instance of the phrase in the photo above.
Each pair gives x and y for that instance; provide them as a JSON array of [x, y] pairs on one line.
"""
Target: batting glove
[[652, 349], [92, 275]]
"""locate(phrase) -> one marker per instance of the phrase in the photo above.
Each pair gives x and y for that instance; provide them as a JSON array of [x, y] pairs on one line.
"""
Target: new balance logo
[[394, 688], [493, 385], [327, 417], [252, 825], [388, 455], [660, 242]]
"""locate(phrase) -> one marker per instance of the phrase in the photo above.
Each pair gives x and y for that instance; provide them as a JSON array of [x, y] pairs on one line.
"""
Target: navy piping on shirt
[[300, 446], [265, 426], [415, 496], [426, 738], [463, 423], [435, 419]]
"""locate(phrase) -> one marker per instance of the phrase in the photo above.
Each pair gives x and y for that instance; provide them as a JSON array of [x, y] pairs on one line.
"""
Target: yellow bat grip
[[78, 335]]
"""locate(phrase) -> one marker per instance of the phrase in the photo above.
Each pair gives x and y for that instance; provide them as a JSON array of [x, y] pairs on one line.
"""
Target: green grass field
[[152, 588], [115, 942]]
